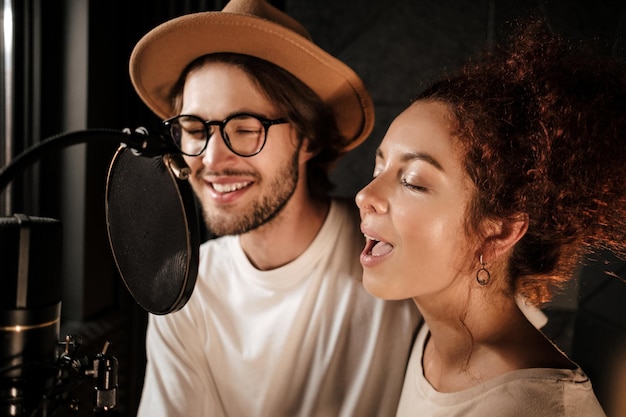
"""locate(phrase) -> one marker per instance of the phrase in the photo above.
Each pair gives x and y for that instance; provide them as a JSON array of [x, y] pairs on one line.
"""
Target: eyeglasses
[[244, 134]]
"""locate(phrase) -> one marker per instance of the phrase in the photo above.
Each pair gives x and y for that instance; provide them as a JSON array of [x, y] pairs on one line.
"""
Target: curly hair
[[311, 117], [542, 123]]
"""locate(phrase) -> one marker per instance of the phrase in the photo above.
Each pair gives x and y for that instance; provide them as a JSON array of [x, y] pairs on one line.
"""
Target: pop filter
[[153, 229]]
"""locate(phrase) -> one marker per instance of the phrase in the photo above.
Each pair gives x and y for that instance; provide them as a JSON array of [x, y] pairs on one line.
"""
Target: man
[[278, 323]]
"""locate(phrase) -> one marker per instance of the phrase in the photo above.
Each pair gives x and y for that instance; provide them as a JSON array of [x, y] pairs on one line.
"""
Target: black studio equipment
[[154, 236]]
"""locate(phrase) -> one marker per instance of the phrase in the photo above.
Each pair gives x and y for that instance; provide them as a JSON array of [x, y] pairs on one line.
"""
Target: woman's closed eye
[[413, 185]]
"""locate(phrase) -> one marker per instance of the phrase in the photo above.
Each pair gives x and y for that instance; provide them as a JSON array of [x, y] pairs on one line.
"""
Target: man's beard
[[261, 211]]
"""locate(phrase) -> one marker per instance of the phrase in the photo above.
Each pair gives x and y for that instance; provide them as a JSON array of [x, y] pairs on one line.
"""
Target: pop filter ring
[[155, 243]]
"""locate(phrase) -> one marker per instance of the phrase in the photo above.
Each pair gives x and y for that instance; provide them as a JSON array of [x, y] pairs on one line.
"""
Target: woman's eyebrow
[[410, 156]]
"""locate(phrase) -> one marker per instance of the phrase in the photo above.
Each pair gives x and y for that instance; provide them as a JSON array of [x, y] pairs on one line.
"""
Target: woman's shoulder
[[547, 392]]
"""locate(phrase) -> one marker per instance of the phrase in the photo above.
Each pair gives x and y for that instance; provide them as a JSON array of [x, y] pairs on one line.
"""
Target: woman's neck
[[489, 338]]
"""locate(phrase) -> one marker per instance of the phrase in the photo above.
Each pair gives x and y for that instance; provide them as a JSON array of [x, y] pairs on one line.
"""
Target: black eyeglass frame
[[265, 122]]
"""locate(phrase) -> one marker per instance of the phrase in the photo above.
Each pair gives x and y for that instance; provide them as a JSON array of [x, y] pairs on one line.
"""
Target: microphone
[[30, 313]]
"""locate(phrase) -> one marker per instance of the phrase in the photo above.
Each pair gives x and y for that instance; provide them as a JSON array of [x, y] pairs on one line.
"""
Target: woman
[[491, 186]]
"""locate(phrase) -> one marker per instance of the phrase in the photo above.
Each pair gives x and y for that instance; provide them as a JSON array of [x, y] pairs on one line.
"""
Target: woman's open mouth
[[374, 247]]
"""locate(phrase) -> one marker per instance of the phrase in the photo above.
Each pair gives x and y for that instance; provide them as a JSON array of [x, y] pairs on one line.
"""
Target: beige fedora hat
[[251, 27]]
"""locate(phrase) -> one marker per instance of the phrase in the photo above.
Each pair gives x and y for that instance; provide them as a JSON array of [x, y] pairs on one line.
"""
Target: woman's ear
[[502, 235]]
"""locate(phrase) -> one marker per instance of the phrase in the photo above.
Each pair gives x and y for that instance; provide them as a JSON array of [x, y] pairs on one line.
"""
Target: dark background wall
[[74, 54]]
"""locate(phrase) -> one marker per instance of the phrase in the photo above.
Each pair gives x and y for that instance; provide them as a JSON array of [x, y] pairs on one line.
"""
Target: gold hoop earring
[[482, 275]]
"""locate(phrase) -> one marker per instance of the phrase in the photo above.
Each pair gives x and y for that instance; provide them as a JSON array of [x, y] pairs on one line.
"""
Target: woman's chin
[[378, 287]]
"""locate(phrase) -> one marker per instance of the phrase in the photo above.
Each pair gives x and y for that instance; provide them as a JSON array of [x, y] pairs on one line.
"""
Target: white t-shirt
[[304, 339], [534, 392]]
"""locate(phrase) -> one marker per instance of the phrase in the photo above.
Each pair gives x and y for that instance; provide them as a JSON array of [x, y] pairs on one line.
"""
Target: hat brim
[[160, 57]]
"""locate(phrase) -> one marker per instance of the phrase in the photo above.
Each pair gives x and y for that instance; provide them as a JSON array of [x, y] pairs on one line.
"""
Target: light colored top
[[534, 392], [304, 339]]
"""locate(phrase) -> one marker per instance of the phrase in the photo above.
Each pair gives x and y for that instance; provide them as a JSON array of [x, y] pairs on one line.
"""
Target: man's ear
[[305, 153], [502, 235]]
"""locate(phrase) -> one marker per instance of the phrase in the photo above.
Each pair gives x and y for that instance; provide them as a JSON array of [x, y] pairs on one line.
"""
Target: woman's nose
[[371, 198]]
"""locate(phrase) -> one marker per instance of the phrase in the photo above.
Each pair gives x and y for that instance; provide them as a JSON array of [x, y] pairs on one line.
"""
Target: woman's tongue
[[381, 248]]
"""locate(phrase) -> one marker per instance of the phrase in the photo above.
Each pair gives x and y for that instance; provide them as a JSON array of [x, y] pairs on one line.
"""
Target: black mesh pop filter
[[153, 230]]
